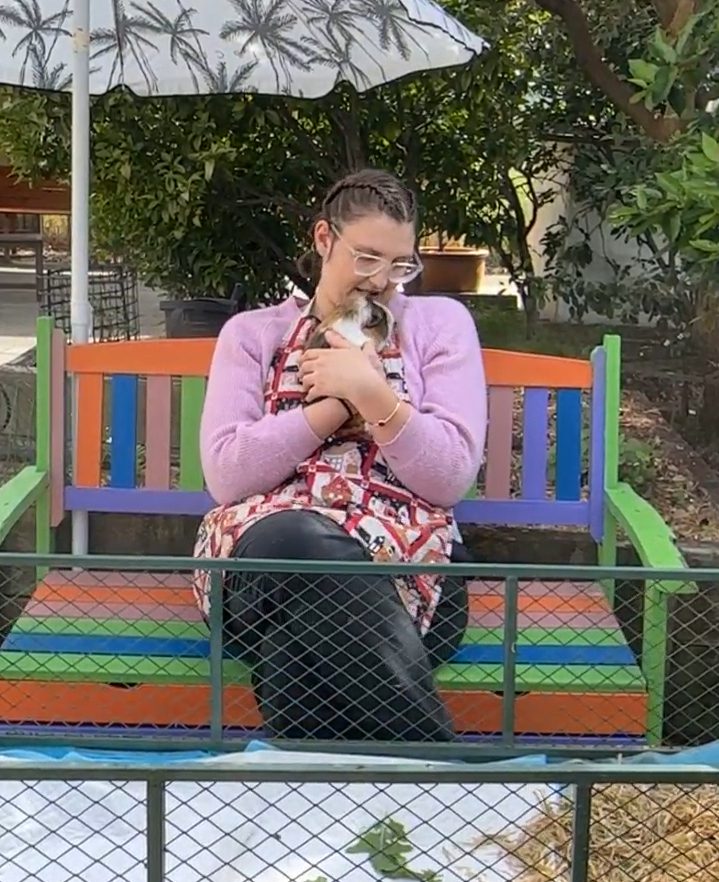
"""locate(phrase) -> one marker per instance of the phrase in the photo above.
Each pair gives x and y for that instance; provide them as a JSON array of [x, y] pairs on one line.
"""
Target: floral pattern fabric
[[279, 47], [346, 480]]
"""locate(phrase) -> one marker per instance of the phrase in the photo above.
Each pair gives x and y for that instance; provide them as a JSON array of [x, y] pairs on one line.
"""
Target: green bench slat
[[113, 627], [114, 668], [131, 669], [544, 678], [553, 637]]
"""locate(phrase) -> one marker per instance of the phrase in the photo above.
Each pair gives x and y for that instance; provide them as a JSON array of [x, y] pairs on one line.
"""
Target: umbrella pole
[[79, 302]]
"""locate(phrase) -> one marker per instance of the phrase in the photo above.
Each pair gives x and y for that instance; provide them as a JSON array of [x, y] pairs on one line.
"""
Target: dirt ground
[[674, 487]]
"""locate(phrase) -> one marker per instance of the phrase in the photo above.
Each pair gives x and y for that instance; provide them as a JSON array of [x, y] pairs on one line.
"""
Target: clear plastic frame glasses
[[366, 265]]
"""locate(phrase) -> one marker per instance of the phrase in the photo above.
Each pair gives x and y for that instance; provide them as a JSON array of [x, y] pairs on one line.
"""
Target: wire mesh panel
[[274, 815], [329, 652], [17, 418], [113, 296]]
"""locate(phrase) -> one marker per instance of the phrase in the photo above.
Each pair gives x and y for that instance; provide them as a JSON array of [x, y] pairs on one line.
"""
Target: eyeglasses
[[398, 271]]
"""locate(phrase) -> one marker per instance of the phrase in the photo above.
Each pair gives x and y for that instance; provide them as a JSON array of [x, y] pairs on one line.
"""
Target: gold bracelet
[[388, 419]]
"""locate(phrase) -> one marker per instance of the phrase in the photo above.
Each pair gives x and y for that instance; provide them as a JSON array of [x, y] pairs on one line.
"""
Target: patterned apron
[[347, 480]]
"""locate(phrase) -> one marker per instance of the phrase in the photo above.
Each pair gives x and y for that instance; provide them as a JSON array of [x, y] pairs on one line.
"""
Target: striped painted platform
[[131, 649]]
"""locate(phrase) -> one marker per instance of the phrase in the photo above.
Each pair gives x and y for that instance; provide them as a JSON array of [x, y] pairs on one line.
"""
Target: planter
[[450, 271], [200, 316]]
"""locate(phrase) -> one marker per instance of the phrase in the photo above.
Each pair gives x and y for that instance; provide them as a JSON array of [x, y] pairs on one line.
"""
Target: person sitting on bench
[[331, 450]]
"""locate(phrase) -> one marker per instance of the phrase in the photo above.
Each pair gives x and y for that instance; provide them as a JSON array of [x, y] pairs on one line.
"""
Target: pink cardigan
[[436, 454]]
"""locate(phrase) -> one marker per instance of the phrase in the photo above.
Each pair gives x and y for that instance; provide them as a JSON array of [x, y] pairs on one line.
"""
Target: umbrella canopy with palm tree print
[[302, 48], [290, 47]]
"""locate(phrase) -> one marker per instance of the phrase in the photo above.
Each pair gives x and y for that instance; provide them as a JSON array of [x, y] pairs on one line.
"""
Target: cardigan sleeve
[[245, 451], [438, 452]]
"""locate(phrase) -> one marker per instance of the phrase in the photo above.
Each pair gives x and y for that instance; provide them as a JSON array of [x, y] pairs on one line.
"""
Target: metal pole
[[216, 678], [509, 680], [80, 247], [155, 831], [581, 823]]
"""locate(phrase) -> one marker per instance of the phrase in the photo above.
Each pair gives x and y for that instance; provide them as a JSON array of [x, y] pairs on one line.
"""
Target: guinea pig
[[358, 319]]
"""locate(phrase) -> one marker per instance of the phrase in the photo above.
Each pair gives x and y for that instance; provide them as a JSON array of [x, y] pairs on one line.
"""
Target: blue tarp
[[34, 754], [704, 755]]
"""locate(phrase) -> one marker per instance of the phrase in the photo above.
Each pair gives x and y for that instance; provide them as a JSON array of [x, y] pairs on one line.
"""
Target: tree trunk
[[531, 306], [589, 58], [709, 412], [674, 14]]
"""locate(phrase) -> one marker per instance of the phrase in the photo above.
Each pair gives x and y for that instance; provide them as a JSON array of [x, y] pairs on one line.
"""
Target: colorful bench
[[118, 649]]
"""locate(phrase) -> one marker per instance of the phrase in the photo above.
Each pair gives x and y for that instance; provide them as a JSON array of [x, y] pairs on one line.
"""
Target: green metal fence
[[546, 658], [357, 821], [552, 670]]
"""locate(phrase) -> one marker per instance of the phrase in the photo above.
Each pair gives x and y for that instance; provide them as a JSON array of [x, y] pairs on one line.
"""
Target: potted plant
[[450, 266], [200, 316]]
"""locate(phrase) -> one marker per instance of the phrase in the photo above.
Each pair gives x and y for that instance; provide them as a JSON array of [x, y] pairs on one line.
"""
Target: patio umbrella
[[299, 48]]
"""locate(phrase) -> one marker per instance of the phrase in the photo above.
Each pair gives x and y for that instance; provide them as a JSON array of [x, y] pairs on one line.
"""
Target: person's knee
[[298, 535]]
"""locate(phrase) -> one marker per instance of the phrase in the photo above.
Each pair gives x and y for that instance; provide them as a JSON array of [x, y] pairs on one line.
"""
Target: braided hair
[[370, 191]]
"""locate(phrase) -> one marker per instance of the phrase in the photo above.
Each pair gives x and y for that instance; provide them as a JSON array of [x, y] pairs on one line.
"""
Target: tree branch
[[600, 73], [346, 126], [534, 198], [286, 264], [274, 199], [674, 14], [312, 149]]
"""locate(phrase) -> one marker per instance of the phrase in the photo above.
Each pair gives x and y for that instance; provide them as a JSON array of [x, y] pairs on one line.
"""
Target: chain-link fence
[[17, 419], [219, 652], [113, 296], [268, 815]]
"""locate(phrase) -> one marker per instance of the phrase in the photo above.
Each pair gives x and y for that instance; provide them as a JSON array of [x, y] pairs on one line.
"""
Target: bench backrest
[[139, 404]]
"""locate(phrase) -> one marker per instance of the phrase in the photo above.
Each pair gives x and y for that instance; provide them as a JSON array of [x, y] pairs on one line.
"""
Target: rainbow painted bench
[[105, 650]]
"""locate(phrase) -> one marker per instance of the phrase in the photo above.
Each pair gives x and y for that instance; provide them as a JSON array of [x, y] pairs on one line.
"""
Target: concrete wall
[[606, 247]]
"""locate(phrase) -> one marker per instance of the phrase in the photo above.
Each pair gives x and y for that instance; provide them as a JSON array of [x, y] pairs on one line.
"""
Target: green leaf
[[209, 168], [705, 245], [663, 82], [675, 225], [386, 844], [643, 70], [385, 864], [710, 147], [662, 48], [670, 182]]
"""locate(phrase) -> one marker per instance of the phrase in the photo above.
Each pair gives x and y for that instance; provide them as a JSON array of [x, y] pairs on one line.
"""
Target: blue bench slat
[[546, 654], [123, 446], [569, 445]]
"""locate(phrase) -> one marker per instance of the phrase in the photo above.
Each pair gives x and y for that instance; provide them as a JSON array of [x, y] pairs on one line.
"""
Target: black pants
[[336, 657]]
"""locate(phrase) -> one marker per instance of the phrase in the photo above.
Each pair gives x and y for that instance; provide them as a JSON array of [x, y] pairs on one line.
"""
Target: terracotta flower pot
[[451, 271]]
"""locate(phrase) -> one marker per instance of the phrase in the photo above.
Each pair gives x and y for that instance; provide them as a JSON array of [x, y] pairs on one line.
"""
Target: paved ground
[[18, 313], [18, 310]]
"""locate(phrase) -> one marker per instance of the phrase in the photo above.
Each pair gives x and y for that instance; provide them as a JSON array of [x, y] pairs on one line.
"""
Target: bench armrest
[[18, 494], [652, 539]]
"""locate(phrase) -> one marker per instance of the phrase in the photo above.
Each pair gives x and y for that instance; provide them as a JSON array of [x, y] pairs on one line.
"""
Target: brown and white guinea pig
[[358, 319]]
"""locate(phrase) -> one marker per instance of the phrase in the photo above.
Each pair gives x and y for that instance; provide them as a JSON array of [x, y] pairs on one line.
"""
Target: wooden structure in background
[[19, 197], [20, 203]]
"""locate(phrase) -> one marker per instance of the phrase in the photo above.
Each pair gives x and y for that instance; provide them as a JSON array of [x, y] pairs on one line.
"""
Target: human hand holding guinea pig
[[343, 371]]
